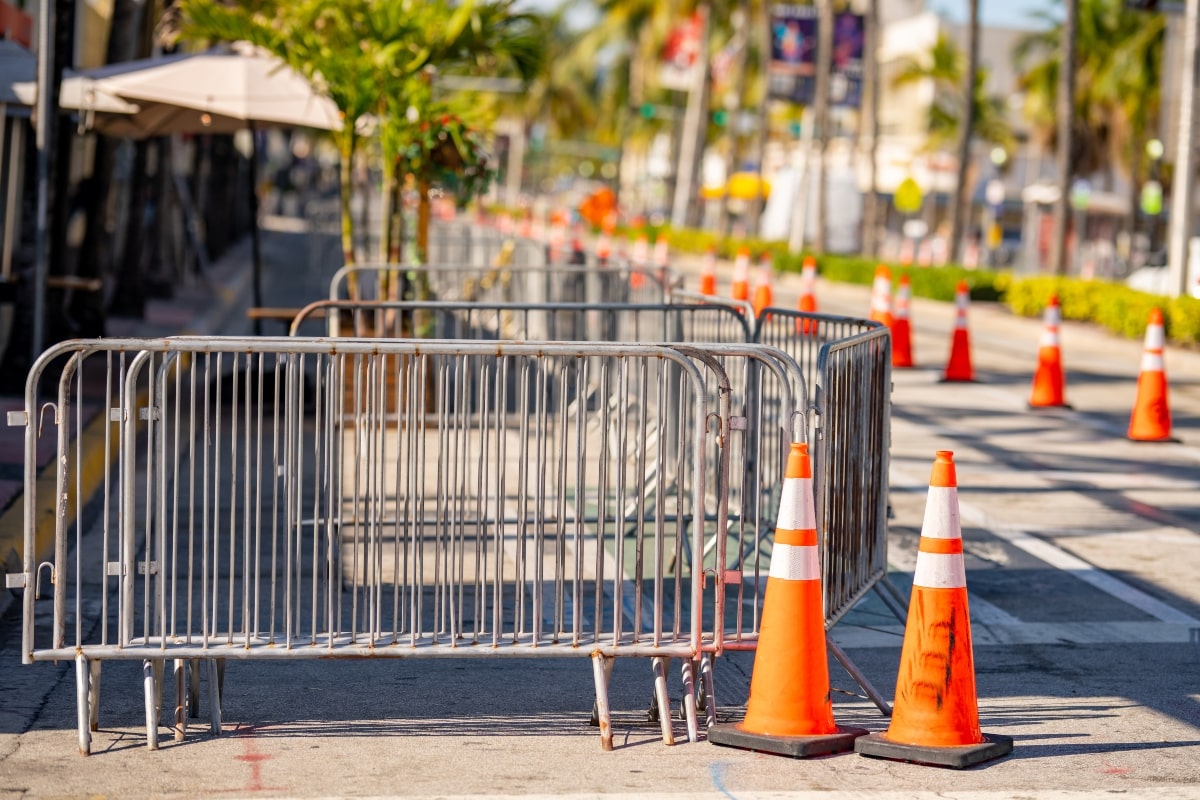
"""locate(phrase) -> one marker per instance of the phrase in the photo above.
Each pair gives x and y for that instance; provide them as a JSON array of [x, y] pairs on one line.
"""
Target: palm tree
[[945, 65], [377, 57], [1116, 87], [961, 208]]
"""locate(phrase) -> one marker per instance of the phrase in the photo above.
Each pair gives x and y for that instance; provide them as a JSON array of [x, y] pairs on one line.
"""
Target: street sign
[[907, 199]]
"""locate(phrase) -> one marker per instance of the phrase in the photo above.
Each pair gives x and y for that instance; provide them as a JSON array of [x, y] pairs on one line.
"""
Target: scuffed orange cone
[[958, 366], [790, 710], [902, 355], [740, 289], [881, 296], [763, 294], [708, 273], [935, 718], [1151, 418], [808, 296], [1048, 382]]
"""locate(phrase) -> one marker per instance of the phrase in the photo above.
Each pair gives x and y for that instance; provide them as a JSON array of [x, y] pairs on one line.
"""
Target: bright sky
[[1001, 13]]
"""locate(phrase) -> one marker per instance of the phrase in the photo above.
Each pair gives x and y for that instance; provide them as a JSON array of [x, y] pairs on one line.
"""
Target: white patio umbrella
[[216, 91], [18, 84]]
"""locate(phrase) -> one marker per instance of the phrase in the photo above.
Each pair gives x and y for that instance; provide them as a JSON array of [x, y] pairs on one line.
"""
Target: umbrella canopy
[[18, 84], [217, 91]]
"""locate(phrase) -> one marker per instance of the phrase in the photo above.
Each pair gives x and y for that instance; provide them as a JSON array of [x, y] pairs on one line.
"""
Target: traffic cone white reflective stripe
[[796, 562], [940, 553], [1152, 354]]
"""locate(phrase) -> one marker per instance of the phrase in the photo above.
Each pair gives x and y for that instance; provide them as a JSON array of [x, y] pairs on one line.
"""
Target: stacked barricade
[[329, 497]]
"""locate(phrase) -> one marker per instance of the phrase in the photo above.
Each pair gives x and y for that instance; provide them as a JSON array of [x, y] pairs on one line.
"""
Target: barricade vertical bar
[[82, 703]]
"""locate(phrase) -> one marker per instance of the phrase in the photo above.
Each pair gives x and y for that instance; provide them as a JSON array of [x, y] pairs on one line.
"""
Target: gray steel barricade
[[853, 522], [319, 498], [849, 362], [509, 283]]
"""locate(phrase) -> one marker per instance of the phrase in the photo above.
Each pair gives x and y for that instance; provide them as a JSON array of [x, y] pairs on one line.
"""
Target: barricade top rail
[[323, 306], [663, 277]]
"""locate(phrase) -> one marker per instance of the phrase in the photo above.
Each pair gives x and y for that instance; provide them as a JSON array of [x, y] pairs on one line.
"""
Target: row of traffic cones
[[1151, 417], [935, 718]]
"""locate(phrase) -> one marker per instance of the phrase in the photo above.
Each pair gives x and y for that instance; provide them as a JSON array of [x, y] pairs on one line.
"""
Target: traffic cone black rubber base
[[792, 746], [877, 746]]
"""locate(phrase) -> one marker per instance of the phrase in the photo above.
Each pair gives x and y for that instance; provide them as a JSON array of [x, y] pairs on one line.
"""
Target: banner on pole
[[680, 56], [793, 72]]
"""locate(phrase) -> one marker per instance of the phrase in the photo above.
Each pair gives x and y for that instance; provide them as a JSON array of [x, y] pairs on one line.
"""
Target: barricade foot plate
[[793, 746], [994, 746]]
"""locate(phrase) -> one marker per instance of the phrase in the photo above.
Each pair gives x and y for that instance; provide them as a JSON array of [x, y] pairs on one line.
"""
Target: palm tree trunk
[[1065, 103], [960, 211], [821, 109], [870, 232]]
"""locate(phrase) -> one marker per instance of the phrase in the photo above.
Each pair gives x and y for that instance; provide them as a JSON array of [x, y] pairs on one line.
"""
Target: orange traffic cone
[[641, 261], [1048, 377], [958, 368], [808, 295], [935, 719], [662, 250], [902, 355], [1151, 418], [881, 296], [763, 294], [790, 711], [740, 289], [708, 272]]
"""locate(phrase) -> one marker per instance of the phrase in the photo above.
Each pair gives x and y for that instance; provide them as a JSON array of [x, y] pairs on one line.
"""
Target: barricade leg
[[214, 694], [660, 665], [94, 694], [689, 701], [601, 672], [194, 688], [707, 691], [152, 683], [858, 676], [82, 688], [181, 699]]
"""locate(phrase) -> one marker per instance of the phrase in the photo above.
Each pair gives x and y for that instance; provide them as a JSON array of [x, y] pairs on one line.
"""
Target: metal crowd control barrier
[[847, 359], [510, 283], [849, 363], [268, 498]]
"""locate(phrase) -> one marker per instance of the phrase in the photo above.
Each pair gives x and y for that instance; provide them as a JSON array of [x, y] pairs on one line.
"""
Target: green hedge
[[1112, 305]]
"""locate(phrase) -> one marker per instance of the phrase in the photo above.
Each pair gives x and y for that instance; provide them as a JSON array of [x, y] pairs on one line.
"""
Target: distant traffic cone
[[881, 296], [808, 296], [603, 248], [935, 718], [906, 252], [790, 710], [1151, 418], [708, 272], [958, 367], [740, 290], [641, 261], [662, 251], [1048, 380], [902, 350], [763, 295]]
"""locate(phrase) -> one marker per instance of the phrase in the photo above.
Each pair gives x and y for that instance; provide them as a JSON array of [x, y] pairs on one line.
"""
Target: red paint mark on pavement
[[1109, 769], [250, 755]]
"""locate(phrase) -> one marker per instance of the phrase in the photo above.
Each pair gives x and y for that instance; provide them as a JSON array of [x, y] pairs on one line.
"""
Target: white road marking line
[[1061, 559]]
